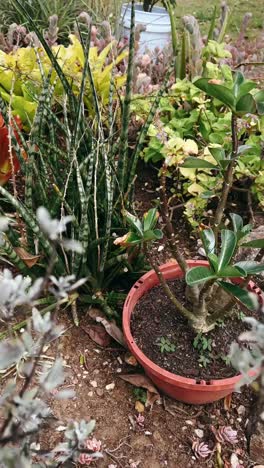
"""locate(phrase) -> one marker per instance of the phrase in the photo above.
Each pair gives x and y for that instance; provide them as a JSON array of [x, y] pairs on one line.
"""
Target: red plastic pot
[[180, 388]]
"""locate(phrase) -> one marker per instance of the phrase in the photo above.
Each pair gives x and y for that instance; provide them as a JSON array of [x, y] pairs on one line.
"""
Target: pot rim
[[198, 384]]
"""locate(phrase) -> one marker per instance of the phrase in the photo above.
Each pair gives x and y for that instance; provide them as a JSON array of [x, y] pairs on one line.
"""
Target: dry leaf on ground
[[98, 334], [111, 328], [142, 381]]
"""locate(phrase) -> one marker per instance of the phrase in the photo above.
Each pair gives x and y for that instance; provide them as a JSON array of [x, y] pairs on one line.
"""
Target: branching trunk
[[228, 179], [192, 293]]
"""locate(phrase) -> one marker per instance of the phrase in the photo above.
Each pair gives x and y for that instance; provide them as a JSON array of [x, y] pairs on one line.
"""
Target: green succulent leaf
[[247, 298], [237, 222], [254, 244], [150, 219], [243, 149], [217, 153], [198, 163], [259, 99], [213, 260], [208, 240], [238, 81], [134, 222], [198, 275], [217, 91], [232, 272], [251, 267], [246, 105], [158, 233], [228, 245]]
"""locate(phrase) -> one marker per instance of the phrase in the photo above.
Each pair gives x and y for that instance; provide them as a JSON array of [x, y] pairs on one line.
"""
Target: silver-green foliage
[[24, 409]]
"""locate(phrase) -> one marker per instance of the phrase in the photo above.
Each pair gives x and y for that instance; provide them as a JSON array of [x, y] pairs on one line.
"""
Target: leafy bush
[[187, 115]]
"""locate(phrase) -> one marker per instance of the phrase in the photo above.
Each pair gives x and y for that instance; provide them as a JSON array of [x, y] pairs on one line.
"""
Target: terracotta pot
[[181, 388]]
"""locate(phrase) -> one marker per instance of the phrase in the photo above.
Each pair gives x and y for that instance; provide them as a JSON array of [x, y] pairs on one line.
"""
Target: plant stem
[[228, 179], [184, 312], [165, 214]]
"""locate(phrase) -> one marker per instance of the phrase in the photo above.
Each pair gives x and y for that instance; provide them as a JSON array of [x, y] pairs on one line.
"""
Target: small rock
[[184, 428], [90, 394], [93, 383], [119, 370], [99, 392], [131, 360], [105, 363], [199, 433], [241, 410], [139, 407], [119, 360], [96, 371], [189, 422], [110, 386], [147, 433]]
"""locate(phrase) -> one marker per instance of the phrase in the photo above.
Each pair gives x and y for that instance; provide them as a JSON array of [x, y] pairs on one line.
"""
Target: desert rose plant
[[205, 283]]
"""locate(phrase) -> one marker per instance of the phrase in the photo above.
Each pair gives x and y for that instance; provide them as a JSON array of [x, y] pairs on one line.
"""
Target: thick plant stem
[[185, 312], [228, 179], [168, 224], [202, 304], [196, 322], [192, 293]]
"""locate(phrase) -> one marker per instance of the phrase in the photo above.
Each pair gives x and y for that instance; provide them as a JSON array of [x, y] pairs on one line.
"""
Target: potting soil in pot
[[155, 319]]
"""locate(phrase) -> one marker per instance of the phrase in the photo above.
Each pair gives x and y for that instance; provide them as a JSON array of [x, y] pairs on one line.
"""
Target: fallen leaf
[[98, 334], [151, 398], [227, 402], [142, 381], [27, 258], [139, 407], [111, 328]]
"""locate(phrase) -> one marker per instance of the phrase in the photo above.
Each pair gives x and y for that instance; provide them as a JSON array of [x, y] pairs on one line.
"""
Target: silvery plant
[[24, 405], [247, 356]]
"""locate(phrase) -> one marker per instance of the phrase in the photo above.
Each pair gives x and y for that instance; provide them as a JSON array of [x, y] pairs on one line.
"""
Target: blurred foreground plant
[[25, 411]]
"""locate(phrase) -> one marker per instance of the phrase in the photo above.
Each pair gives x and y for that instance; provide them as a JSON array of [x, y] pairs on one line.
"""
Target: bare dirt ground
[[169, 428]]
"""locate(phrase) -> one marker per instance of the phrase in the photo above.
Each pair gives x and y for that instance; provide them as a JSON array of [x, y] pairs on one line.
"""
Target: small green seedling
[[140, 394], [204, 347], [165, 345]]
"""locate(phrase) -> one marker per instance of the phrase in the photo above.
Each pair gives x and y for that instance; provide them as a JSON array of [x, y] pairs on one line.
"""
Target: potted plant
[[205, 301], [154, 22]]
